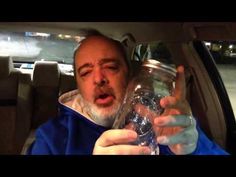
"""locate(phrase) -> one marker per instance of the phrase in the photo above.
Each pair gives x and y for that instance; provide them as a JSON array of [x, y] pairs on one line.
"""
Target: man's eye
[[112, 67], [85, 73]]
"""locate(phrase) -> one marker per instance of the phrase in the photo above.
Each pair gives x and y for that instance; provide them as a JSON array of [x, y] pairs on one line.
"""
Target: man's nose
[[99, 78]]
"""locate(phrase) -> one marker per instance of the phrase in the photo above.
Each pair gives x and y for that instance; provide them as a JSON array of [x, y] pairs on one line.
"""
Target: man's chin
[[104, 111], [104, 116]]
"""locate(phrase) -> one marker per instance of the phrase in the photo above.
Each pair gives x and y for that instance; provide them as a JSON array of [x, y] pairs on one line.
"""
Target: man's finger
[[116, 136], [169, 102], [180, 90], [175, 120], [172, 102], [187, 136]]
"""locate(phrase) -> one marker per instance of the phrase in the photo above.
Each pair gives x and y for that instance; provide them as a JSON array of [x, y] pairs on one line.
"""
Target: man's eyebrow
[[84, 66]]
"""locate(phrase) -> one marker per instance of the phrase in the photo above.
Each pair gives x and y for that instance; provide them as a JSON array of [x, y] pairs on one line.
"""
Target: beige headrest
[[46, 73], [6, 66]]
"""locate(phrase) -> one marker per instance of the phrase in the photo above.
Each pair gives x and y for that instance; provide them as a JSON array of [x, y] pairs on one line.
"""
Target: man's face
[[102, 76]]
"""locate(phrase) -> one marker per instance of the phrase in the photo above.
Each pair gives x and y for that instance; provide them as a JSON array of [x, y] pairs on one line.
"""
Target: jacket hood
[[73, 100]]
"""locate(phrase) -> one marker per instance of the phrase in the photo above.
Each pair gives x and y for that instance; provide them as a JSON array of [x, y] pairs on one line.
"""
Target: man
[[102, 73]]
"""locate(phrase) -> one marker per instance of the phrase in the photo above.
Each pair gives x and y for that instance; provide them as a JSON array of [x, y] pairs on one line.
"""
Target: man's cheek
[[86, 92]]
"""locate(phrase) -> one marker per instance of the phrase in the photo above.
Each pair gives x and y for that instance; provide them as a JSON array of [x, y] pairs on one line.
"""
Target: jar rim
[[159, 65]]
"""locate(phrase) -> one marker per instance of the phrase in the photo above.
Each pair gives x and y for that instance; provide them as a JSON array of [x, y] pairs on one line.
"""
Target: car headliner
[[142, 31]]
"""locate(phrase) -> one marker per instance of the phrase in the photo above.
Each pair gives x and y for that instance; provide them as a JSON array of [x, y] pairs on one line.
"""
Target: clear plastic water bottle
[[142, 101]]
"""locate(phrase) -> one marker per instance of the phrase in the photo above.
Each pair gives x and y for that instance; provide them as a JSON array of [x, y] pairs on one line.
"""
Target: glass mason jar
[[142, 101]]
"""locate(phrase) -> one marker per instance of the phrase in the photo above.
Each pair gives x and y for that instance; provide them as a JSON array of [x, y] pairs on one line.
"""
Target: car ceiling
[[142, 31]]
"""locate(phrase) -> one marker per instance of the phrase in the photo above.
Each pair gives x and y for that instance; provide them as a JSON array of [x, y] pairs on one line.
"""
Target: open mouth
[[103, 96], [104, 99]]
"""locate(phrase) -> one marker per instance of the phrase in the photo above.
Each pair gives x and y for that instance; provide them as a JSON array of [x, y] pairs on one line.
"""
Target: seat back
[[14, 115], [46, 77], [67, 83]]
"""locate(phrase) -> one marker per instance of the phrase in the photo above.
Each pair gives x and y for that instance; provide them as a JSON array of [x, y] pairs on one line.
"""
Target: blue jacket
[[72, 133]]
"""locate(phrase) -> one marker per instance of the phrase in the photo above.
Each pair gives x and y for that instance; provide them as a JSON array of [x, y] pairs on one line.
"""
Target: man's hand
[[115, 142], [176, 127]]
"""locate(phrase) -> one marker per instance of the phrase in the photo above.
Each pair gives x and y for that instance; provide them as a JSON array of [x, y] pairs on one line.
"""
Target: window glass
[[224, 54], [155, 50], [32, 46]]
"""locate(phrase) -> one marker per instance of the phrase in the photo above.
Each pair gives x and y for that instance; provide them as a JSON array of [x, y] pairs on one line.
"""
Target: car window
[[224, 55], [32, 46], [154, 50]]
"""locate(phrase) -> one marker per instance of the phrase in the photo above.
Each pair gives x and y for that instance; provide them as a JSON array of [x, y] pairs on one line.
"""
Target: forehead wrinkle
[[107, 60]]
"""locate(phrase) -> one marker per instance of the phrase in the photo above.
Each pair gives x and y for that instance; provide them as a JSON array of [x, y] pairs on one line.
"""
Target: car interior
[[29, 95]]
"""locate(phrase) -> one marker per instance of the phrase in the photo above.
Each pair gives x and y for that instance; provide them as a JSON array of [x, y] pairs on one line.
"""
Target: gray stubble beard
[[96, 112]]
